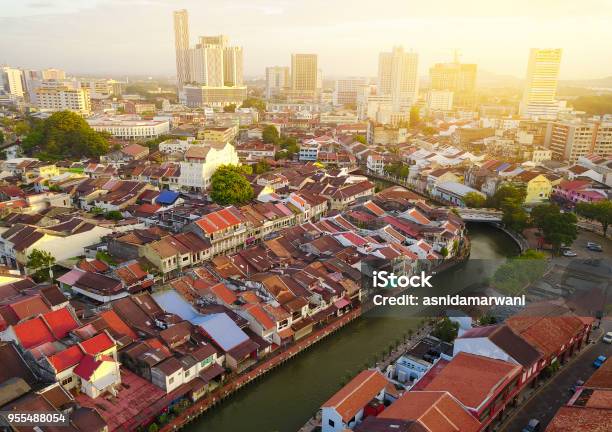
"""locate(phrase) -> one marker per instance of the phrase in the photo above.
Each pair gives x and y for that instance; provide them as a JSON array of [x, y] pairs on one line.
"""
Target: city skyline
[[346, 40]]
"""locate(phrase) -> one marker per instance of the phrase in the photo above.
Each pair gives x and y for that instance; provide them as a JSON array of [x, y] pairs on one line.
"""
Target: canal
[[283, 400]]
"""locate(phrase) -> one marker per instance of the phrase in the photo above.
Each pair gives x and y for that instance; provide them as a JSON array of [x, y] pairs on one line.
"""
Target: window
[[171, 380], [67, 381], [331, 423]]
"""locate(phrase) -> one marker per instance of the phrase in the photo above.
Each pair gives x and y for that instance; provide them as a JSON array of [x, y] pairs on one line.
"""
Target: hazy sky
[[136, 36]]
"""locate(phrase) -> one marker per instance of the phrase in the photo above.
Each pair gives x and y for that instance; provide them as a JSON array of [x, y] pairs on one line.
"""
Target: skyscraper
[[539, 97], [457, 78], [398, 78], [181, 46], [206, 64], [277, 79], [53, 74], [12, 81], [304, 72], [233, 66]]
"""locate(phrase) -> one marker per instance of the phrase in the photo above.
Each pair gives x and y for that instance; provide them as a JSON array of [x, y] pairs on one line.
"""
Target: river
[[284, 399]]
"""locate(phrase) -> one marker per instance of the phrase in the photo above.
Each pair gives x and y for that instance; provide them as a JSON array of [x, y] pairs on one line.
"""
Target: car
[[607, 338], [577, 384], [592, 246], [569, 253], [532, 426], [599, 361]]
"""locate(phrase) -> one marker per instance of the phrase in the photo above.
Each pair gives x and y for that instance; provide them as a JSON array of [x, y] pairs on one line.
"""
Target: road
[[555, 393]]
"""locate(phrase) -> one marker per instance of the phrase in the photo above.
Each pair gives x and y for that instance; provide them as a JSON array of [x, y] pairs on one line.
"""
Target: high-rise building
[[346, 90], [571, 140], [455, 77], [181, 46], [206, 65], [539, 96], [12, 81], [233, 69], [304, 72], [397, 77], [277, 79], [53, 74], [440, 100]]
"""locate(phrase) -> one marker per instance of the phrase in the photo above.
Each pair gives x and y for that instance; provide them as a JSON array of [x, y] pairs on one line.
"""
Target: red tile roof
[[29, 307], [87, 366], [548, 334], [66, 359], [437, 411], [224, 293], [33, 333], [60, 322], [357, 393], [97, 344], [261, 316]]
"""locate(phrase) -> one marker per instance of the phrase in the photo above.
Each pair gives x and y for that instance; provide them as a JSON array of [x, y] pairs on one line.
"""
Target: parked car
[[569, 253], [599, 361], [607, 338], [532, 426], [575, 386], [595, 247]]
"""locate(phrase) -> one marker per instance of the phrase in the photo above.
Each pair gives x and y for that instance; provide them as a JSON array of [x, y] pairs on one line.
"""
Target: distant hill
[[591, 83]]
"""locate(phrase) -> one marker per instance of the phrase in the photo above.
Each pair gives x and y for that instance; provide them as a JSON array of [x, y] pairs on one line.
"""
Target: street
[[553, 394]]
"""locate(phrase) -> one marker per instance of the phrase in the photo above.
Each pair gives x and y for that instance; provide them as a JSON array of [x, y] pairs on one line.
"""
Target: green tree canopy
[[270, 134], [1, 137], [557, 228], [507, 192], [474, 200], [64, 135], [229, 108], [40, 261], [361, 139], [230, 186], [256, 103], [446, 330], [598, 211]]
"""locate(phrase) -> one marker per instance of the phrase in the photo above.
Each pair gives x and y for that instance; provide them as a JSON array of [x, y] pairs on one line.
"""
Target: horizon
[[140, 39]]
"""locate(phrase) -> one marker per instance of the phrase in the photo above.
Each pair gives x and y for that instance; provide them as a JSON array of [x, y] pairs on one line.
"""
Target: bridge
[[479, 215]]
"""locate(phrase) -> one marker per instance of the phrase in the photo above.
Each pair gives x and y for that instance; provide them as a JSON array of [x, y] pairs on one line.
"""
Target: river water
[[284, 399]]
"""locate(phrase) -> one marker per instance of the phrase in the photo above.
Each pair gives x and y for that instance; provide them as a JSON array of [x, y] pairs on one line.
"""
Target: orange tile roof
[[357, 393], [548, 334], [573, 418], [117, 324], [436, 410], [261, 316], [29, 307], [472, 379], [224, 293]]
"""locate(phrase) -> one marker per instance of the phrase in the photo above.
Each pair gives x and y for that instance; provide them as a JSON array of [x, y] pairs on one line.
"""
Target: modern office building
[[53, 74], [304, 72], [539, 96], [206, 65], [277, 79], [198, 96], [181, 46], [440, 100], [398, 77], [455, 77], [11, 79], [346, 90], [233, 68], [572, 140]]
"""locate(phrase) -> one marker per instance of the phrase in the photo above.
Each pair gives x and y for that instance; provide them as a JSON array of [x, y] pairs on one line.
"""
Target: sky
[[120, 37]]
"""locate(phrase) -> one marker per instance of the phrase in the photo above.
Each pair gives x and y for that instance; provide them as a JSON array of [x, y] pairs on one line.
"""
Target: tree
[[557, 228], [599, 211], [270, 134], [229, 108], [1, 137], [41, 262], [514, 215], [361, 139], [474, 200], [261, 167], [444, 252], [113, 215], [505, 192], [256, 103], [446, 330], [64, 135], [230, 186]]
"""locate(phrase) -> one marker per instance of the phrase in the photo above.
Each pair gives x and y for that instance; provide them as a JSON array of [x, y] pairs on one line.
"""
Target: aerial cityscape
[[272, 216]]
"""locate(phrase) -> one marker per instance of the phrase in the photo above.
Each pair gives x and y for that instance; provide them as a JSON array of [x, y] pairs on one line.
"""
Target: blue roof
[[167, 197], [222, 329], [219, 326]]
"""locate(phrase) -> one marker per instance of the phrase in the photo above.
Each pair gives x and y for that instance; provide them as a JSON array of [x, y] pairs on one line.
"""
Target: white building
[[440, 100], [398, 77], [277, 79], [201, 161], [129, 127], [64, 98], [11, 81], [346, 90]]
